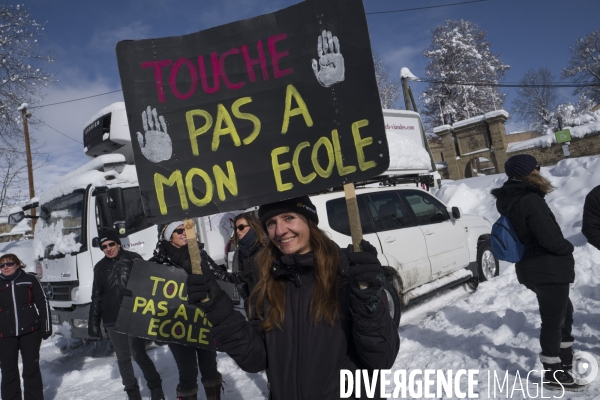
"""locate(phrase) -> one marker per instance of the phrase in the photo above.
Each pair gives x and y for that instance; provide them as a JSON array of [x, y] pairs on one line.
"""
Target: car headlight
[[80, 323]]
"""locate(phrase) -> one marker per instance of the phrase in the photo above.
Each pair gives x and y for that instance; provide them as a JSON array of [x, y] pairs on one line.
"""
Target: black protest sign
[[158, 309], [254, 111]]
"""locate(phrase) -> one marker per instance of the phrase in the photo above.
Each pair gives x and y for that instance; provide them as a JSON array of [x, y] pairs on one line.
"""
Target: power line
[[513, 85], [81, 98], [423, 8], [56, 130]]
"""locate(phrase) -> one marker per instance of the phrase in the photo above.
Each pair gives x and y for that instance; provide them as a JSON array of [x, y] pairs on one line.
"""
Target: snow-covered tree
[[21, 80], [389, 90], [461, 67], [584, 65], [536, 100]]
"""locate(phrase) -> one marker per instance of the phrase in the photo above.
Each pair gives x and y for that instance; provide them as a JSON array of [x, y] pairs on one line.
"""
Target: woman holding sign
[[172, 249], [309, 319]]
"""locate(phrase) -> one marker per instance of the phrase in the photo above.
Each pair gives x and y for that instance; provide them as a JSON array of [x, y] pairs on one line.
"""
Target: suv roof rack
[[387, 180]]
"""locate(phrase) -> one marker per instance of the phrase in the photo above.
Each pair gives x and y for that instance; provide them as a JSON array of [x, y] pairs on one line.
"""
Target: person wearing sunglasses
[[172, 250], [111, 275], [248, 239], [24, 322], [547, 267]]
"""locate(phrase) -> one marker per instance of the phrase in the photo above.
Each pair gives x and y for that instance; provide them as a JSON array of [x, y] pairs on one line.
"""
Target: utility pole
[[26, 115]]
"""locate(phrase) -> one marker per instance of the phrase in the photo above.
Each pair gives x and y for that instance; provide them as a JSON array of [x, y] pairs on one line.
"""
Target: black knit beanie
[[301, 205], [109, 234], [520, 165]]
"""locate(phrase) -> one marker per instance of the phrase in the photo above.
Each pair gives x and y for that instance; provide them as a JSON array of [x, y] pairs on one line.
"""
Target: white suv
[[423, 245]]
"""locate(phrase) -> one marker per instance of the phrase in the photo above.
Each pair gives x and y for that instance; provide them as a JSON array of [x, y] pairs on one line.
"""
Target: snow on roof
[[442, 128], [406, 154], [94, 177], [479, 118], [549, 140], [96, 164], [113, 107]]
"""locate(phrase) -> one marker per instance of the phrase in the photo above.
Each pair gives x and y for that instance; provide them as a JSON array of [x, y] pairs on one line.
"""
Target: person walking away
[[172, 249], [111, 275], [308, 317], [547, 267], [591, 217], [24, 322]]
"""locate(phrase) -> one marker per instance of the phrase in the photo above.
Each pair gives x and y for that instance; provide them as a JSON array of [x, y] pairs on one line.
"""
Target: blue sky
[[82, 35]]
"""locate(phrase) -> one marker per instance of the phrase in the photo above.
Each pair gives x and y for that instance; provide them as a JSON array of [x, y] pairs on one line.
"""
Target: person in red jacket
[[309, 318], [24, 322]]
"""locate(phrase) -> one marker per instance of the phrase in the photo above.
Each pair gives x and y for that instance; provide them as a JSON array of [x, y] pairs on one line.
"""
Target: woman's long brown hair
[[540, 182], [269, 293]]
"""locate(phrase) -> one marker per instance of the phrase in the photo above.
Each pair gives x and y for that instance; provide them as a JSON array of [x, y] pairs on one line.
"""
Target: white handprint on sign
[[156, 145], [329, 70]]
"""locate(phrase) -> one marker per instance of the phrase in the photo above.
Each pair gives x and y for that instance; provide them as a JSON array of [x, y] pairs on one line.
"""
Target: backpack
[[505, 243]]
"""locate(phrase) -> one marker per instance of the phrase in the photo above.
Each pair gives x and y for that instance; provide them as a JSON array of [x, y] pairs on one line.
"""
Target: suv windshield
[[60, 231]]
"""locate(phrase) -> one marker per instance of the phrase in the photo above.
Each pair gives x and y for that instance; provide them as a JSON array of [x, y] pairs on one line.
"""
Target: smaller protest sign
[[158, 309]]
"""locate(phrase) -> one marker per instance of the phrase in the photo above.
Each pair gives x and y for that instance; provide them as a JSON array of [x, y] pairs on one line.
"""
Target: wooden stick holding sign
[[195, 259], [354, 220]]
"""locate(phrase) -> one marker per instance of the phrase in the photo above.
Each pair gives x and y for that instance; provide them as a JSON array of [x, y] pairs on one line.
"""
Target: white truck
[[102, 193]]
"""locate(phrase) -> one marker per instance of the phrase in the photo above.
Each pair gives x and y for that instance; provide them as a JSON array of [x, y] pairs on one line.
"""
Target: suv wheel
[[393, 299], [488, 265]]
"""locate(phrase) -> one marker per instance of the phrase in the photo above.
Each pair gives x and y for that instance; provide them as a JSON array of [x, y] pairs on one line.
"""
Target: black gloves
[[94, 330], [366, 269], [199, 287], [247, 276]]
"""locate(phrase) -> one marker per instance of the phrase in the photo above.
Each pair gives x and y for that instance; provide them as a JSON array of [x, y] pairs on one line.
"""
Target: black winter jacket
[[303, 360], [110, 279], [243, 264], [548, 255], [23, 306], [591, 217]]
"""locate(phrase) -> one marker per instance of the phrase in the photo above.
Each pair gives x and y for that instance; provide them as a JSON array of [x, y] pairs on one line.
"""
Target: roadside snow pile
[[52, 234]]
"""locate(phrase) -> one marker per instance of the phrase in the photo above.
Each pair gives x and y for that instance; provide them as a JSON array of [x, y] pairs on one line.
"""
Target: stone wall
[[588, 145], [519, 137]]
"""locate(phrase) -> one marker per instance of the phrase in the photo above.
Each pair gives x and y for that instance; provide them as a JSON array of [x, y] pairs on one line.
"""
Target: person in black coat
[[591, 217], [111, 275], [547, 267], [24, 322], [172, 249], [308, 319], [249, 239]]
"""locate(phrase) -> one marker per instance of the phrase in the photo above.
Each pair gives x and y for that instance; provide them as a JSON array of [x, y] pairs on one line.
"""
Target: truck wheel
[[393, 301], [487, 264]]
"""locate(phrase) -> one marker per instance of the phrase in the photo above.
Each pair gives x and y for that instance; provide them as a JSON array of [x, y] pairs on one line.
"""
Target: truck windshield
[[62, 218]]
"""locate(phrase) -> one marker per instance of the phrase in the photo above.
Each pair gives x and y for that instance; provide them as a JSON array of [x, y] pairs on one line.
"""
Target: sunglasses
[[179, 231], [537, 168], [241, 227], [107, 245], [8, 264]]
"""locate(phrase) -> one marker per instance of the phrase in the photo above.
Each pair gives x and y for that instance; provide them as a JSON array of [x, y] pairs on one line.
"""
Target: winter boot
[[213, 388], [555, 378], [566, 358], [134, 394], [157, 393], [190, 394]]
